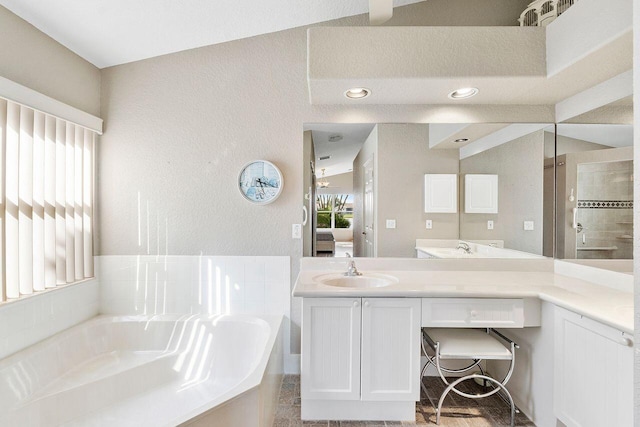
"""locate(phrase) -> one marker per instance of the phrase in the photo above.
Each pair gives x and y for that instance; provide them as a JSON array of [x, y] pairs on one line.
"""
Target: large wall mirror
[[595, 186], [429, 190]]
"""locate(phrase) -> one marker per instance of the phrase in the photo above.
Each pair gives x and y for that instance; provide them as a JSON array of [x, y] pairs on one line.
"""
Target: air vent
[[335, 138], [325, 158]]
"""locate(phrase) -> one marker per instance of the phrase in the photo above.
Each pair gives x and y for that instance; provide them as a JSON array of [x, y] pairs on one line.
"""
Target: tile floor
[[457, 411]]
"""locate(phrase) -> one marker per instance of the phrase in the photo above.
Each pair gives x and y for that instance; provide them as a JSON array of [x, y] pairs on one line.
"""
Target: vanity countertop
[[479, 251], [609, 306]]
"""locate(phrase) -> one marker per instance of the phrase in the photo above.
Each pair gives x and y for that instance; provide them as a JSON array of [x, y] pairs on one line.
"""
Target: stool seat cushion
[[468, 344]]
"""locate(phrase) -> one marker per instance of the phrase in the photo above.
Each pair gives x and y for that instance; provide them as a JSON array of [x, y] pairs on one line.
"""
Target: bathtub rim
[[251, 381]]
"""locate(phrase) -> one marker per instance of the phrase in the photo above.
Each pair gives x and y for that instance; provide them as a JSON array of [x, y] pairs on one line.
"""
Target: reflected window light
[[164, 298], [139, 222], [195, 353], [203, 359], [181, 359], [218, 290], [146, 287], [200, 271], [148, 230], [227, 296], [209, 286]]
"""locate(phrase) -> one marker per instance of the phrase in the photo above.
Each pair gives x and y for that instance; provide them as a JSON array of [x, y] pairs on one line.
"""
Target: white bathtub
[[147, 371]]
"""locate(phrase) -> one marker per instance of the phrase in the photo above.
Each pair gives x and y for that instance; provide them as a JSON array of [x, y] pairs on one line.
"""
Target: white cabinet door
[[391, 349], [330, 365], [593, 373], [441, 193], [481, 193]]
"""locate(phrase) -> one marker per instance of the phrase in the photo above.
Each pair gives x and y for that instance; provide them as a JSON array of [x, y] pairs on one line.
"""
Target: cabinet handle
[[356, 303], [367, 304], [627, 342]]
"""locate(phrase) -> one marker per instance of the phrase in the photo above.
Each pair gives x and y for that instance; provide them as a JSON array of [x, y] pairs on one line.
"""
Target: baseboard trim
[[292, 364], [357, 410]]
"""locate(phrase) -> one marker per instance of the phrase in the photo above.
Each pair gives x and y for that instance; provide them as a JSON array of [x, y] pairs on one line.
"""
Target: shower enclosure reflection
[[595, 191]]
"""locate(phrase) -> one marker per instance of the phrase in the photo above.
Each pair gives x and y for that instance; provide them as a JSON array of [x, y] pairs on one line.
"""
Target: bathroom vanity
[[361, 335]]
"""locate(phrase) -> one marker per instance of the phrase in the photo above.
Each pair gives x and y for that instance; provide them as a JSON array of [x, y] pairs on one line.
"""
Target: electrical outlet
[[429, 224], [489, 225], [296, 231], [528, 225], [391, 223]]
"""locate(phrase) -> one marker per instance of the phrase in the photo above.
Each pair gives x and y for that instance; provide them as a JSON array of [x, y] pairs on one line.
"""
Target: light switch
[[429, 224], [489, 225], [528, 225], [296, 231], [391, 223]]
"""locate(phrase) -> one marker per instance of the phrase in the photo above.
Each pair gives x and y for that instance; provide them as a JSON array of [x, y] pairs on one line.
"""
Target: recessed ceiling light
[[465, 92], [460, 140], [357, 93]]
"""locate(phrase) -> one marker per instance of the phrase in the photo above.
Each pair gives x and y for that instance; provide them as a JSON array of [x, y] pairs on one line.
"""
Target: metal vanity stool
[[468, 344]]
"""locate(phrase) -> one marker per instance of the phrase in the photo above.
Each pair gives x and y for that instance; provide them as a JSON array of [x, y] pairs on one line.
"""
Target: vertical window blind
[[46, 201]]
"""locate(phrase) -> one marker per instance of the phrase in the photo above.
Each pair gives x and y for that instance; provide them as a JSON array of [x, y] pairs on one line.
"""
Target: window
[[547, 7], [531, 18], [334, 210], [46, 201], [563, 5]]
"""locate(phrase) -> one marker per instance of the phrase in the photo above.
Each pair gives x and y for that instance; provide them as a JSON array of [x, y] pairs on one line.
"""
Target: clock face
[[260, 182]]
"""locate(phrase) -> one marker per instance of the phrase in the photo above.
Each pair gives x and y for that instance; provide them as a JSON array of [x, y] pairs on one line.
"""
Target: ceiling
[[342, 151], [112, 32], [482, 136], [608, 134]]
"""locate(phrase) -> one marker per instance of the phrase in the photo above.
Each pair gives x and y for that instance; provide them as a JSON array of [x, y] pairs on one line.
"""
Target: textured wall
[[35, 60], [403, 159], [179, 127], [519, 165]]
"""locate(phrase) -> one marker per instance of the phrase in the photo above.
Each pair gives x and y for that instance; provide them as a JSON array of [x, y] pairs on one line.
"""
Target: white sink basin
[[367, 280]]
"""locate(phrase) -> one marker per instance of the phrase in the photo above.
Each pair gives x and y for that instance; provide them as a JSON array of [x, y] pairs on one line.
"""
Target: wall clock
[[260, 182]]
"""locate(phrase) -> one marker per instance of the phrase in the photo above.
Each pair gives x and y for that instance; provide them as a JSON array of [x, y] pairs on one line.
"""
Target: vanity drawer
[[473, 313]]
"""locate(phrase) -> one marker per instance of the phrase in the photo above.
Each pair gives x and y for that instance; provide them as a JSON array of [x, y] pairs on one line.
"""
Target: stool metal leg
[[484, 377]]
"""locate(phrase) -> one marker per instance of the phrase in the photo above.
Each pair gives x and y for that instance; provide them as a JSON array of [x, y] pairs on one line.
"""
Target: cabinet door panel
[[330, 366], [593, 373], [391, 349]]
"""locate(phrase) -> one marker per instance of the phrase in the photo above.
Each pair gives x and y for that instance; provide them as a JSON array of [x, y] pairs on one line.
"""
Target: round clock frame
[[260, 182]]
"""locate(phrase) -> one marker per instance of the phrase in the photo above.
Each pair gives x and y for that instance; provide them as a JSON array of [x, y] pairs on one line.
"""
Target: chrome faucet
[[465, 247], [352, 270]]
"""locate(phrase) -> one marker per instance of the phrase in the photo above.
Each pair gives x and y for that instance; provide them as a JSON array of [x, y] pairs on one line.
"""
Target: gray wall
[[179, 127], [565, 145], [403, 159], [519, 165], [33, 59]]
